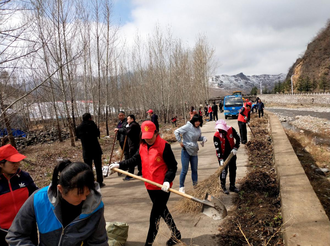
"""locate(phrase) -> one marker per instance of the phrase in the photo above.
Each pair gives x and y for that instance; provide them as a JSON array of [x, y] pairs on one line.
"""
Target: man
[[121, 133], [215, 111], [88, 133], [220, 106], [243, 118], [153, 118], [260, 107], [224, 143], [133, 131]]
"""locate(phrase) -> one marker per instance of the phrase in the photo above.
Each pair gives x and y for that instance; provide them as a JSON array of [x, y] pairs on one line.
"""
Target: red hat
[[148, 129], [9, 153], [249, 104], [150, 111]]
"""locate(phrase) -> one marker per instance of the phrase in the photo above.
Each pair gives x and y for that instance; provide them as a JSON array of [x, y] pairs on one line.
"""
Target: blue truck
[[231, 105]]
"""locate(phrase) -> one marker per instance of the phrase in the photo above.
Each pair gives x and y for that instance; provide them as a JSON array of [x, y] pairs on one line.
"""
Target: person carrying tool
[[68, 212], [243, 119], [226, 140], [15, 187], [158, 165], [121, 133], [88, 133]]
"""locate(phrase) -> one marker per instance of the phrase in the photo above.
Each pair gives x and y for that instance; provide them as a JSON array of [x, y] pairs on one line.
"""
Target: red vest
[[230, 138], [241, 117], [154, 167]]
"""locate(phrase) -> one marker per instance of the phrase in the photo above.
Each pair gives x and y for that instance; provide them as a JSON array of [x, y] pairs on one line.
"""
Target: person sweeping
[[224, 143], [158, 165]]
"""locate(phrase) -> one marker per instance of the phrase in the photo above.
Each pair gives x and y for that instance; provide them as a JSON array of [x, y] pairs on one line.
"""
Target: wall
[[305, 99]]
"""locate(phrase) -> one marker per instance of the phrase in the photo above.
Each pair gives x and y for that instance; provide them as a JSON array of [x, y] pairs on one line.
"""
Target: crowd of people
[[70, 210]]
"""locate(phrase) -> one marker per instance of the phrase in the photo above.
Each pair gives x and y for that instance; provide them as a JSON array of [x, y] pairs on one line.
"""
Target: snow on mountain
[[244, 82]]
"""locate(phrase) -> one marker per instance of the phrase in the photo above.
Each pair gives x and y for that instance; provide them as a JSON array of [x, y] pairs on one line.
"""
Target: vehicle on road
[[237, 93], [231, 105]]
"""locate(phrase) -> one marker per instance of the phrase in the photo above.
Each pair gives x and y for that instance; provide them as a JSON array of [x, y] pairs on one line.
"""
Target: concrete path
[[128, 201]]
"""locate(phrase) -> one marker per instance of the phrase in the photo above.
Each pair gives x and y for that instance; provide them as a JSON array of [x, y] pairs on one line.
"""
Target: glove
[[221, 162], [166, 186], [113, 165], [245, 118], [234, 151], [204, 139]]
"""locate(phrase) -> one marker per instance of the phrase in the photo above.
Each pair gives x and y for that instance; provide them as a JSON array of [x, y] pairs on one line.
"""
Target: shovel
[[251, 130], [212, 207]]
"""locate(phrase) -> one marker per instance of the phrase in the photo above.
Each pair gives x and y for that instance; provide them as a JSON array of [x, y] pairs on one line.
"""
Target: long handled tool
[[212, 207], [113, 146], [251, 130], [122, 153]]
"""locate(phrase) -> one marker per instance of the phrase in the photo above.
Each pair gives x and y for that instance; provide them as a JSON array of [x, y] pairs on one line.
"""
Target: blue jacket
[[260, 106], [43, 209]]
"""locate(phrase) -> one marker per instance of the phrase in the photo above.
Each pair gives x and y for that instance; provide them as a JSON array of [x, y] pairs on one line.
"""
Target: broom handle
[[122, 153], [113, 146], [251, 130]]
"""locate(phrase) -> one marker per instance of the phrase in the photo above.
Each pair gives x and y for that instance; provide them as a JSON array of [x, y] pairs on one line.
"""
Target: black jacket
[[121, 132], [215, 108], [154, 119], [88, 133], [133, 137]]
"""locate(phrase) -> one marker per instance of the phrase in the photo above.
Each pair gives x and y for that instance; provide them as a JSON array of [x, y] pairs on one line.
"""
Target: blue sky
[[249, 36]]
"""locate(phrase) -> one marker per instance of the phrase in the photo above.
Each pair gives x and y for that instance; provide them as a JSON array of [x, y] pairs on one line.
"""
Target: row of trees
[[66, 50]]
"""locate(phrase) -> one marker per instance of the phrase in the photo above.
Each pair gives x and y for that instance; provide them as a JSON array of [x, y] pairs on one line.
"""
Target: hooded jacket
[[43, 209], [190, 136]]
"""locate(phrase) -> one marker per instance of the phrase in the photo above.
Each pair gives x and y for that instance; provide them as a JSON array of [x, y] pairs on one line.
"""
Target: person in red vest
[[226, 140], [243, 119], [15, 187], [158, 165]]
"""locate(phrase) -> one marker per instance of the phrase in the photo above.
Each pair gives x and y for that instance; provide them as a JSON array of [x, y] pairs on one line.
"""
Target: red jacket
[[244, 112]]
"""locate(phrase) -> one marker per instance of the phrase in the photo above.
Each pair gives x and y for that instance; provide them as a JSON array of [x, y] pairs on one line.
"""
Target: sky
[[249, 36]]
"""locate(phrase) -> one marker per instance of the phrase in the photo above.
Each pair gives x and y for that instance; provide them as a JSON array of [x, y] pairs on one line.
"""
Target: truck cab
[[232, 105]]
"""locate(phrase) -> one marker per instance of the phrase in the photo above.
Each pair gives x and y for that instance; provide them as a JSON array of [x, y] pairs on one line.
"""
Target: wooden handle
[[113, 146], [122, 153], [220, 169], [152, 182]]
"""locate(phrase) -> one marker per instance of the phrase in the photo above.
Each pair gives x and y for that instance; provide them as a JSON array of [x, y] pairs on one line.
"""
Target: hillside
[[315, 63]]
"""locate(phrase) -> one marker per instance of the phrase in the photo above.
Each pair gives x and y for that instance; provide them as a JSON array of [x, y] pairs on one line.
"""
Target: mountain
[[315, 63], [244, 83]]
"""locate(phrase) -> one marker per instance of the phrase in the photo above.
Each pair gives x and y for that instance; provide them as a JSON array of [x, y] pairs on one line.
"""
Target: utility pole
[[260, 87]]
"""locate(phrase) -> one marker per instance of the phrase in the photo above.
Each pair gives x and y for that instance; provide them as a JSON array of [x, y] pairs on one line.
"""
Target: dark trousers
[[159, 209], [131, 168], [215, 115], [210, 116], [242, 131], [261, 111], [98, 166], [232, 173]]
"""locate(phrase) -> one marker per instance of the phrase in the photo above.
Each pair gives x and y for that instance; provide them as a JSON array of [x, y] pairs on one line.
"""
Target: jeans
[[185, 159]]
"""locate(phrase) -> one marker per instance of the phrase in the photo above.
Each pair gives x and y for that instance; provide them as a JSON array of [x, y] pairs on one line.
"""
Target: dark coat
[[154, 119], [121, 132], [133, 137], [215, 108], [88, 133]]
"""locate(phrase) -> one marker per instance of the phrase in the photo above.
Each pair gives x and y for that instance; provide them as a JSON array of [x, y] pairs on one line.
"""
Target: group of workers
[[70, 210]]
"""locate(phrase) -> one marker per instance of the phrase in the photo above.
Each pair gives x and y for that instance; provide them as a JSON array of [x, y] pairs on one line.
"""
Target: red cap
[[249, 104], [150, 111], [9, 153], [148, 129]]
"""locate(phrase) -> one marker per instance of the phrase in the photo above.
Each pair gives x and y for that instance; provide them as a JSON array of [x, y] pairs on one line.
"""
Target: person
[[133, 131], [191, 133], [192, 112], [206, 110], [174, 120], [121, 133], [243, 119], [254, 107], [15, 188], [158, 165], [260, 107], [88, 133], [215, 111], [210, 112], [201, 116], [153, 118], [68, 212], [226, 140], [220, 106]]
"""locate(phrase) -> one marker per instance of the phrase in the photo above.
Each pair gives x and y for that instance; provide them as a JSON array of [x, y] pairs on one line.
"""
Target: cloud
[[249, 36]]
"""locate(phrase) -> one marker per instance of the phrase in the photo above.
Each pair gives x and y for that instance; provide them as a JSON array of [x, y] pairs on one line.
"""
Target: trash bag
[[117, 233]]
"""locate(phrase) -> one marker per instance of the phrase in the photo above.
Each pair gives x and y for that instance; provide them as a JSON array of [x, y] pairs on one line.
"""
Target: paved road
[[128, 201]]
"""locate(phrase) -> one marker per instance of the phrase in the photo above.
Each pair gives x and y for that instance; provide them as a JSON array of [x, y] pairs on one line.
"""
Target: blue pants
[[185, 159]]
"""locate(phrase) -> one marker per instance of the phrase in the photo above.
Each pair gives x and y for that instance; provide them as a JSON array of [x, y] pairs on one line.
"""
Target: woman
[[192, 112], [68, 212], [159, 165], [15, 187], [191, 133]]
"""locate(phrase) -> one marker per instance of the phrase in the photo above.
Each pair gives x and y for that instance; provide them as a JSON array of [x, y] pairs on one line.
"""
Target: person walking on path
[[192, 112], [260, 107], [220, 106], [215, 111], [226, 140], [191, 133], [210, 112], [15, 188], [68, 212], [153, 118], [243, 119], [121, 133], [133, 131], [206, 110], [159, 165], [88, 133]]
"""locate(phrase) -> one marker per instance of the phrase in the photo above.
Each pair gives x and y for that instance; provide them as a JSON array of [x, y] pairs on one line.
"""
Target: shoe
[[243, 142], [233, 189], [182, 189], [127, 178], [174, 239], [102, 185], [225, 191]]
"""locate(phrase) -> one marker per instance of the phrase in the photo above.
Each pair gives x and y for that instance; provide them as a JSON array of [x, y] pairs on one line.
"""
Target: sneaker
[[225, 191], [233, 189], [102, 185], [182, 190], [174, 239], [127, 178]]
